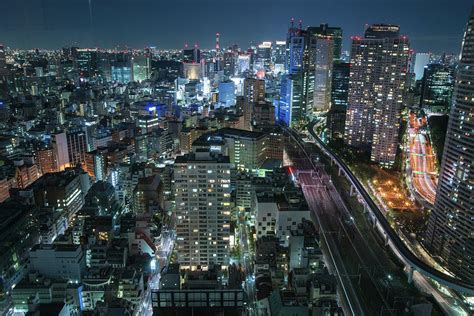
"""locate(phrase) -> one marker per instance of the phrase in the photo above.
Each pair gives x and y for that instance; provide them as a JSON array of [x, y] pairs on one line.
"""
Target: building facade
[[202, 190], [449, 235], [377, 91]]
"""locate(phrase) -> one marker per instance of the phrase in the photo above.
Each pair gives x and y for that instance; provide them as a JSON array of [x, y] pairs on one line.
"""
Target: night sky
[[432, 25]]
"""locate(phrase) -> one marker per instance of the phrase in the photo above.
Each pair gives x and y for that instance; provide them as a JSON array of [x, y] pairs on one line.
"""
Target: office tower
[[243, 63], [437, 88], [339, 91], [421, 60], [103, 66], [264, 56], [86, 62], [323, 74], [192, 55], [121, 68], [297, 86], [377, 87], [335, 33], [340, 84], [279, 57], [449, 235], [226, 93], [254, 91], [229, 62], [202, 191], [290, 108], [141, 65]]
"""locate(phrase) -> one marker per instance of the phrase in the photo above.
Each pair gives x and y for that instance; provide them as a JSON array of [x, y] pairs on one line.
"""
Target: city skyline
[[318, 173], [53, 24]]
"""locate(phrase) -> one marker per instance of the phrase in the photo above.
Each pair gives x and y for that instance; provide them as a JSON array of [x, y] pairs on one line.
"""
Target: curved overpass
[[392, 238]]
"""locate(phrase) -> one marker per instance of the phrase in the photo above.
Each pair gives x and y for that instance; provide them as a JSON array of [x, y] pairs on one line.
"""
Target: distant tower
[[218, 47], [218, 62]]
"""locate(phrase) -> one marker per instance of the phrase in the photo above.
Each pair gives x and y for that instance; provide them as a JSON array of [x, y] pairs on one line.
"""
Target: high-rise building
[[264, 56], [377, 89], [254, 91], [291, 111], [279, 57], [306, 89], [202, 190], [243, 63], [323, 74], [421, 61], [141, 65], [449, 235], [121, 68], [192, 55], [297, 86], [437, 88], [339, 92], [227, 93], [340, 84], [86, 62], [229, 61], [335, 33]]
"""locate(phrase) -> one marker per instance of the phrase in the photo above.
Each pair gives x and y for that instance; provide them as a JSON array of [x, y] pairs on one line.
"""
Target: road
[[162, 257], [422, 169]]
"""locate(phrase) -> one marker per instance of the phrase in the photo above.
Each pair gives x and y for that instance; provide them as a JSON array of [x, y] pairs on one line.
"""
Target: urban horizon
[[319, 174]]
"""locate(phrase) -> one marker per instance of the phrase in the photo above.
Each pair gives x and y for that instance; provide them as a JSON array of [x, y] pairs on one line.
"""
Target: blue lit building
[[227, 93], [289, 109], [121, 68]]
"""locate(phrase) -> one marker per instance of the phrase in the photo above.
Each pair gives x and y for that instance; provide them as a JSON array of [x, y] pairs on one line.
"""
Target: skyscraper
[[121, 68], [324, 30], [254, 91], [437, 88], [279, 57], [191, 55], [377, 87], [264, 56], [297, 86], [421, 60], [202, 190], [339, 89], [141, 66], [449, 235], [323, 74]]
